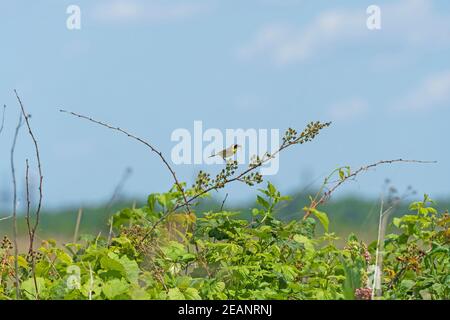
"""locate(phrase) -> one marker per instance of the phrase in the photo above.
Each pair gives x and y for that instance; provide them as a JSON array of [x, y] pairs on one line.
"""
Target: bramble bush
[[167, 250], [218, 255]]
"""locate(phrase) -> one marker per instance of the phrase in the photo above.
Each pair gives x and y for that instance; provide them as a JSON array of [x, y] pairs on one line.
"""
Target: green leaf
[[131, 269], [29, 288], [151, 201], [64, 257], [115, 288], [323, 218], [262, 202], [175, 294], [92, 288], [341, 174], [183, 282], [110, 263], [126, 267], [218, 286], [165, 200], [407, 284], [175, 251], [271, 188], [255, 212], [352, 280], [22, 262], [191, 294], [308, 244], [140, 294]]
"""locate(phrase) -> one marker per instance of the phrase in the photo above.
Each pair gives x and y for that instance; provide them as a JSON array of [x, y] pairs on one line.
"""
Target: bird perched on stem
[[228, 152]]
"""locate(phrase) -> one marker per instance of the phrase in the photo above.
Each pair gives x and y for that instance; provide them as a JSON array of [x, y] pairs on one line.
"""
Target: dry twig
[[159, 153], [30, 228], [13, 174], [33, 227], [223, 202], [321, 198]]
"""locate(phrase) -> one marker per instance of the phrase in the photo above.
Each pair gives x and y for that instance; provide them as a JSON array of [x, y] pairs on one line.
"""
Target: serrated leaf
[[218, 286], [115, 288], [191, 294], [175, 294], [131, 269]]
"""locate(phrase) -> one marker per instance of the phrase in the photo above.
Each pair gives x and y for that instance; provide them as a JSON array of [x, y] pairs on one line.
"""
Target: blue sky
[[155, 66]]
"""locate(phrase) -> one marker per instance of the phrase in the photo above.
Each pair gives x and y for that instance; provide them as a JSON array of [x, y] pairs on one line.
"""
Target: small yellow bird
[[228, 152]]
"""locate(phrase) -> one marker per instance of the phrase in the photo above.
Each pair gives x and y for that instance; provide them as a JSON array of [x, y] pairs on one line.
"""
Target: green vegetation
[[175, 247], [221, 256], [348, 214]]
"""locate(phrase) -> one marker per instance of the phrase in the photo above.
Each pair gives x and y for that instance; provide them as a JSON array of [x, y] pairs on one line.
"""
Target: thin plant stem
[[77, 225], [147, 144], [13, 174]]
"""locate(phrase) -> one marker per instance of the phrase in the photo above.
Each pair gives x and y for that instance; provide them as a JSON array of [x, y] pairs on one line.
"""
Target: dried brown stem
[[33, 227], [159, 153], [321, 198], [223, 202], [13, 174], [30, 229]]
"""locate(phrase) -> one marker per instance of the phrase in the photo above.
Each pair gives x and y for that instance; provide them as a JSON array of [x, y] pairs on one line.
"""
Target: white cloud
[[349, 110], [285, 44], [433, 92], [150, 10], [406, 24]]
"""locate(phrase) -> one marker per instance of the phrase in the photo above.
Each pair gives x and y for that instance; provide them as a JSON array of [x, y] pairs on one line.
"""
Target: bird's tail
[[213, 155]]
